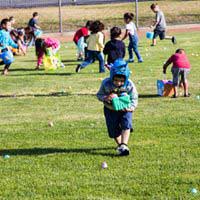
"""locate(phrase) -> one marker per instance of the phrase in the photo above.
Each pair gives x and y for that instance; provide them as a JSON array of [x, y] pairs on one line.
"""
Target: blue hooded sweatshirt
[[120, 67]]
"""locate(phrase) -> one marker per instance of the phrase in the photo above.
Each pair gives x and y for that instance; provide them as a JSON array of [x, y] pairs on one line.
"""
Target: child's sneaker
[[140, 61], [78, 68], [62, 65], [123, 150], [174, 40], [130, 60], [187, 95], [80, 59]]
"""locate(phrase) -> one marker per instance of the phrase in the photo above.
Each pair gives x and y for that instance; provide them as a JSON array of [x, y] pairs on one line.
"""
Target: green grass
[[64, 161]]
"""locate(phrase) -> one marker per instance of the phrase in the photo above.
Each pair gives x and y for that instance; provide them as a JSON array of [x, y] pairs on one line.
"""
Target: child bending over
[[180, 67], [5, 43], [41, 45]]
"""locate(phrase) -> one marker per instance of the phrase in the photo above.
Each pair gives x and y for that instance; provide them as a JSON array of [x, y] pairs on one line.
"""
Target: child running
[[181, 66], [115, 48], [119, 123], [95, 45], [5, 43], [33, 24], [79, 39], [160, 26], [133, 38], [41, 45]]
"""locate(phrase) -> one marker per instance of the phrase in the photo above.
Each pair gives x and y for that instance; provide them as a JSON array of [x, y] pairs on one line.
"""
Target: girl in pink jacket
[[41, 45]]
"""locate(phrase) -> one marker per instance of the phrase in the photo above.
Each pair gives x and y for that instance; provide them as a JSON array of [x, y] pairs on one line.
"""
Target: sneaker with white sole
[[123, 150], [174, 40], [130, 60]]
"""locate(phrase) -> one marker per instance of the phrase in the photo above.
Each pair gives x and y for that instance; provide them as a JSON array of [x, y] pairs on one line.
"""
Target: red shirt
[[179, 60], [80, 33]]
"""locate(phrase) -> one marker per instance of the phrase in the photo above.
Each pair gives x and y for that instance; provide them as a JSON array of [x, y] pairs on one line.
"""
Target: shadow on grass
[[30, 61], [53, 94], [43, 74], [46, 151], [69, 61], [64, 94], [23, 69]]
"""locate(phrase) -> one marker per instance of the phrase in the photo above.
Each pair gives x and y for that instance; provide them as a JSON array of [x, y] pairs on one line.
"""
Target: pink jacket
[[49, 42]]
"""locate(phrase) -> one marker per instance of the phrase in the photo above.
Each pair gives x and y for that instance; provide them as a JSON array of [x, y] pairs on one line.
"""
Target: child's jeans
[[91, 55], [81, 46], [133, 46]]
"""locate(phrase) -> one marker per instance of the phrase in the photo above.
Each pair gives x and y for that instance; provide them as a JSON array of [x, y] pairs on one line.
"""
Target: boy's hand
[[110, 97]]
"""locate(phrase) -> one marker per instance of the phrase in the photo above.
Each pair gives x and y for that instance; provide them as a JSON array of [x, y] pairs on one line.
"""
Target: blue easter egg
[[194, 190], [6, 156]]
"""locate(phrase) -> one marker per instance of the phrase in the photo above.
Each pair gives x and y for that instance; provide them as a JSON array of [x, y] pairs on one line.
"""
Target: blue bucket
[[149, 35], [38, 33]]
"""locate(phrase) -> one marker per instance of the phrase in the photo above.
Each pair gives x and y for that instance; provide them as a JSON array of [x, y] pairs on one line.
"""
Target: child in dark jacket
[[115, 48]]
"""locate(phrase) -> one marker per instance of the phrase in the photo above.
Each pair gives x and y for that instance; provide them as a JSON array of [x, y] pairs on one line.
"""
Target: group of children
[[15, 41], [94, 48], [117, 92], [118, 85]]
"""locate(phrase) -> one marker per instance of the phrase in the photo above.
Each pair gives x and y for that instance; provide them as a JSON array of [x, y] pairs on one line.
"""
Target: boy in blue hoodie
[[5, 42], [119, 123]]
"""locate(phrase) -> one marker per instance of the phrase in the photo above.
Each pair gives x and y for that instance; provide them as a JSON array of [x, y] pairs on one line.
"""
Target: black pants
[[6, 66]]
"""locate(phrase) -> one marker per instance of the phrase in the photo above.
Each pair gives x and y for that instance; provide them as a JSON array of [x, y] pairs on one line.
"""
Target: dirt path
[[68, 36]]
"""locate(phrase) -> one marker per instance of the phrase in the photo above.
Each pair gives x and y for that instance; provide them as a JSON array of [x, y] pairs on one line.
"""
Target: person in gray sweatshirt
[[159, 25]]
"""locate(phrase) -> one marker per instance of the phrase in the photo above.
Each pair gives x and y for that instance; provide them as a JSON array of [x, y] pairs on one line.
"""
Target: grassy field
[[64, 161], [176, 12]]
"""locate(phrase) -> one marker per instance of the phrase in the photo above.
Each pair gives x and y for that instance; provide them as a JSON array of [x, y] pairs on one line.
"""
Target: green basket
[[120, 103]]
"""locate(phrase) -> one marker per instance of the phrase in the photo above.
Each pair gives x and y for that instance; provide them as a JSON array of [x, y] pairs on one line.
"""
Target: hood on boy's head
[[120, 67]]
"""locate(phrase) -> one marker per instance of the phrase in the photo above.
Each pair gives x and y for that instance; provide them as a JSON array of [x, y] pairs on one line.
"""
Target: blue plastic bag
[[7, 57]]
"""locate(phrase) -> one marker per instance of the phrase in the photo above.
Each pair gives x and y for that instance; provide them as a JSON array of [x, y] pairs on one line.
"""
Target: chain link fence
[[111, 13], [44, 3]]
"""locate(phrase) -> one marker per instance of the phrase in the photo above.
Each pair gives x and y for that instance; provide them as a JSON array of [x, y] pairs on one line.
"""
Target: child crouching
[[119, 123], [5, 43]]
